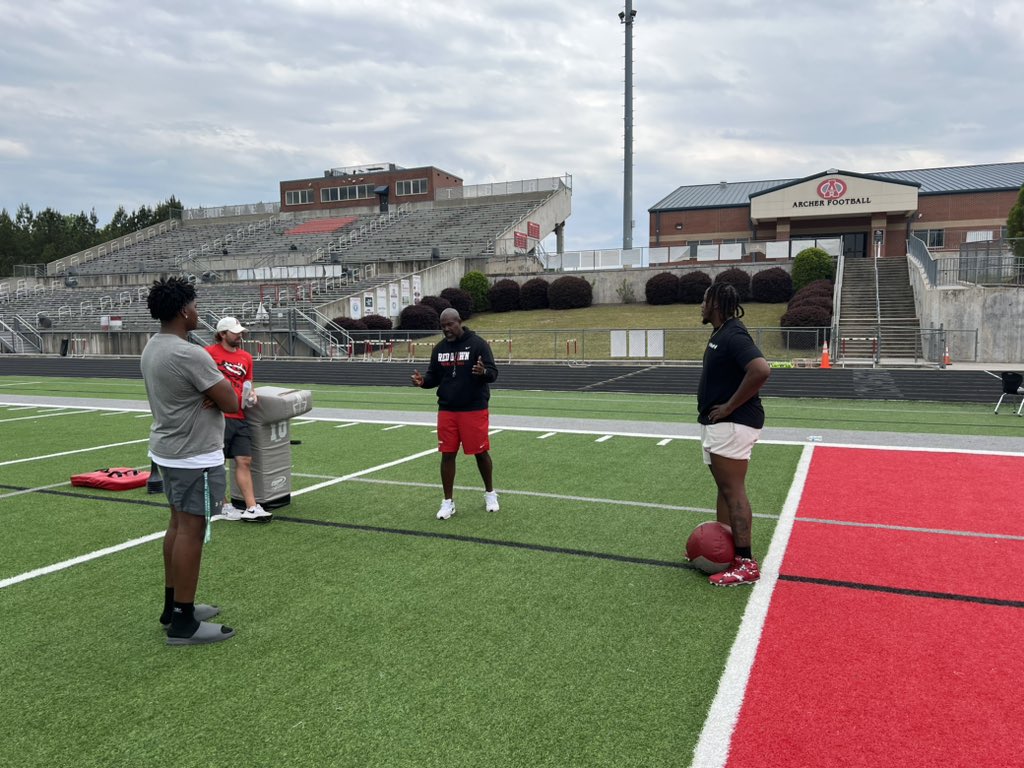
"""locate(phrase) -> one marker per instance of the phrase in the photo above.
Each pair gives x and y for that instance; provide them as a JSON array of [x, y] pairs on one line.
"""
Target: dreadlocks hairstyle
[[727, 299], [168, 297]]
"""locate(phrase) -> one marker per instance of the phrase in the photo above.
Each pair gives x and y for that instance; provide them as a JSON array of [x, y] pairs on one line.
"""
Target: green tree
[[1015, 225], [478, 286], [809, 265]]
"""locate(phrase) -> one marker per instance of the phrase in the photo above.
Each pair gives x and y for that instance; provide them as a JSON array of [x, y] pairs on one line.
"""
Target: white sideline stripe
[[546, 435], [360, 473], [350, 424], [142, 415], [666, 441], [80, 559], [69, 453], [396, 426], [116, 413], [20, 383], [603, 439], [712, 749], [33, 490], [43, 416], [23, 408], [495, 431]]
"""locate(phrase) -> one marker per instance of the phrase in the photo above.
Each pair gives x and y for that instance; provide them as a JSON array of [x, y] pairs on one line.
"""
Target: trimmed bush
[[355, 327], [461, 300], [805, 316], [377, 322], [419, 317], [809, 265], [478, 286], [570, 292], [771, 286], [663, 288], [533, 294], [504, 296], [693, 286], [826, 287], [811, 299], [436, 303], [738, 279]]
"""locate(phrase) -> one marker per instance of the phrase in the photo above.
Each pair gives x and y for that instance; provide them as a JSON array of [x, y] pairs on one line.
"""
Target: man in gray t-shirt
[[188, 397]]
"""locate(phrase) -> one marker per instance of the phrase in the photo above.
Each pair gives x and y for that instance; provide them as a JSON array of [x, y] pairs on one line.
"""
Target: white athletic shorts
[[728, 439]]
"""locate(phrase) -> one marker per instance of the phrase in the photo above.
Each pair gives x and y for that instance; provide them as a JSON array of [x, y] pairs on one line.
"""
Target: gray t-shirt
[[176, 375]]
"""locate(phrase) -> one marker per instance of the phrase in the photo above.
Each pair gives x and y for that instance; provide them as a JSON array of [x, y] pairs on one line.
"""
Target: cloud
[[216, 103]]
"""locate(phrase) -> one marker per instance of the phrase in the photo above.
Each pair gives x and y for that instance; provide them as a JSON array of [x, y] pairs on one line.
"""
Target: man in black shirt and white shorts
[[731, 419]]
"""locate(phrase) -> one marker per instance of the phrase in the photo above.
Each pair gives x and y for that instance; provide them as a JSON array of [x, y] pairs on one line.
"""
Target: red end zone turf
[[852, 678], [916, 488]]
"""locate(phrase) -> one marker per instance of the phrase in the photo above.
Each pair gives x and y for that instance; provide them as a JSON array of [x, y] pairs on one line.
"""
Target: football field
[[565, 630]]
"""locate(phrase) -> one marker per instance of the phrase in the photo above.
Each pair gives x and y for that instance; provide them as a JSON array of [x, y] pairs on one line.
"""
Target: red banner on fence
[[519, 240], [533, 230]]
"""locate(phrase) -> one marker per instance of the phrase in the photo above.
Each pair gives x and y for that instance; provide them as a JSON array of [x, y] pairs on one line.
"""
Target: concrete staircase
[[895, 329]]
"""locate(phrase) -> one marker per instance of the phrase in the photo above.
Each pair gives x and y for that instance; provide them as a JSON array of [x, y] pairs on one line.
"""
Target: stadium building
[[943, 207]]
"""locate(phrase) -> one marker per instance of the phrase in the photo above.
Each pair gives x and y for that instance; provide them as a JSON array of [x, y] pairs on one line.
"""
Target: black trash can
[[64, 343]]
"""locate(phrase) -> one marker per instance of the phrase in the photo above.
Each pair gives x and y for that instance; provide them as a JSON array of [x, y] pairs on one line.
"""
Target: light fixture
[[679, 227]]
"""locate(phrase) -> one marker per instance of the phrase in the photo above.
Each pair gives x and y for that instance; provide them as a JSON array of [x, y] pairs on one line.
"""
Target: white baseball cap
[[229, 324]]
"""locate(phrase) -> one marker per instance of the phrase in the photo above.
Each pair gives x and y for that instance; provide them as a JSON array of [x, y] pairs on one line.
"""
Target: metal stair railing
[[16, 332], [328, 334]]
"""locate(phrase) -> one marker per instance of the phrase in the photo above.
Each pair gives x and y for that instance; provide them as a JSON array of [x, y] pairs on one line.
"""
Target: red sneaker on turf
[[742, 571]]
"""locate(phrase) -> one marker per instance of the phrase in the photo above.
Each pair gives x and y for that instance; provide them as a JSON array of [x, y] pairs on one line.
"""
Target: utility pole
[[626, 18]]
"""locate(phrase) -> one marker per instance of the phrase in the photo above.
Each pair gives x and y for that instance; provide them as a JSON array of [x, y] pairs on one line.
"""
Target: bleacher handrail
[[101, 249]]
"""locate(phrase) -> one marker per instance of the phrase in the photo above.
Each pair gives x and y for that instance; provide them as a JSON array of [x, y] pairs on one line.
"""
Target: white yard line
[[69, 453], [80, 559], [712, 750], [43, 416], [160, 534]]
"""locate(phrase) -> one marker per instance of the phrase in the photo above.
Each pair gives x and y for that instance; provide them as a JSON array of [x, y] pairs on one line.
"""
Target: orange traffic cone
[[825, 362], [945, 357]]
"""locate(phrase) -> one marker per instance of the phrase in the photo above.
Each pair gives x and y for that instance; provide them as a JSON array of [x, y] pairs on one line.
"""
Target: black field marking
[[72, 494], [491, 542], [901, 591]]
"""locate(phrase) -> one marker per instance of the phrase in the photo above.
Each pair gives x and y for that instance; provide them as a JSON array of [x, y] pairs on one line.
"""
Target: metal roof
[[933, 181]]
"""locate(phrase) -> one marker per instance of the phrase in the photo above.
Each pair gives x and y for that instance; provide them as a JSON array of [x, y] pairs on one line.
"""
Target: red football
[[710, 547]]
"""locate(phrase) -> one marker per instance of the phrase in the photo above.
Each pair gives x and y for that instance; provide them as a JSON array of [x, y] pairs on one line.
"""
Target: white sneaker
[[491, 501], [230, 512], [256, 514], [447, 509]]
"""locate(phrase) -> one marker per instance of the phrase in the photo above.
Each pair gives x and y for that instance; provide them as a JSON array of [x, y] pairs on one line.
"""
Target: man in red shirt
[[236, 365]]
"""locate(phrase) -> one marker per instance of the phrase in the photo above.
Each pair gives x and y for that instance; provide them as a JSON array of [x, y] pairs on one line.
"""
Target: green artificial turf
[[561, 631]]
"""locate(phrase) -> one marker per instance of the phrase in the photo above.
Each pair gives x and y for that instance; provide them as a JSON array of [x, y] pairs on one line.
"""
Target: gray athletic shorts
[[237, 441], [186, 488]]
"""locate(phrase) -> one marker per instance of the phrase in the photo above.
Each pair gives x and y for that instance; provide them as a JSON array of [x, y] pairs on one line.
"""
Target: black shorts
[[237, 441], [191, 490]]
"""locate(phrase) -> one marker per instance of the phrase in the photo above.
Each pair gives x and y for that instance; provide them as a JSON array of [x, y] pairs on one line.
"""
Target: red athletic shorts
[[469, 428]]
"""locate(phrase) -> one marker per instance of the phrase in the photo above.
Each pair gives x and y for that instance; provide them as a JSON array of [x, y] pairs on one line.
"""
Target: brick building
[[373, 186], [945, 207]]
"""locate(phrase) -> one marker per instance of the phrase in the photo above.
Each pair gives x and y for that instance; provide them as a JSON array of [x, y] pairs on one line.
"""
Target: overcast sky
[[106, 103]]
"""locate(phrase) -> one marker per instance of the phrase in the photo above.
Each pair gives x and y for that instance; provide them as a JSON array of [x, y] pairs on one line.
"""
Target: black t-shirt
[[729, 350]]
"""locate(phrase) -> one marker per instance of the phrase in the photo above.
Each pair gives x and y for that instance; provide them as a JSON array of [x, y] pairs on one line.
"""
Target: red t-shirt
[[237, 369]]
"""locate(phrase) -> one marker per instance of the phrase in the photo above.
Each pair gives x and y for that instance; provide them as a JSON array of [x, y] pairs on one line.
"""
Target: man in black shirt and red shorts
[[731, 419], [461, 367]]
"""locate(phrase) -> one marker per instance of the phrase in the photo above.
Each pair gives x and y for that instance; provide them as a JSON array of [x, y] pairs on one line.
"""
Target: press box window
[[413, 187], [350, 192], [298, 197]]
